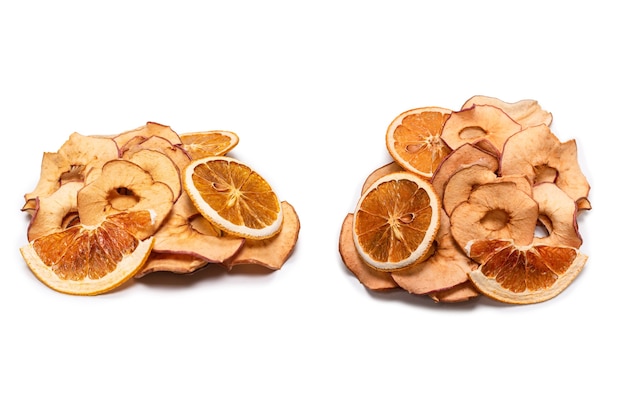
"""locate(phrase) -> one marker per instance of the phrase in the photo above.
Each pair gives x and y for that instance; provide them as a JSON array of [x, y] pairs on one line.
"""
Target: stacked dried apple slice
[[510, 195], [109, 208]]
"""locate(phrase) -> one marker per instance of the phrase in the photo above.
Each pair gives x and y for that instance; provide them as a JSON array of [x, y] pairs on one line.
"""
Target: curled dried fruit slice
[[495, 210], [123, 186], [460, 293], [56, 212], [478, 123], [234, 197], [369, 277], [525, 112], [150, 129], [523, 274], [85, 260], [272, 252], [557, 213], [389, 168], [396, 221], [539, 155], [161, 168], [414, 139], [209, 143]]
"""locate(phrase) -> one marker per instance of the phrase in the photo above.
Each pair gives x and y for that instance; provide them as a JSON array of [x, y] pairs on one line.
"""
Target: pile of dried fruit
[[483, 200], [108, 208]]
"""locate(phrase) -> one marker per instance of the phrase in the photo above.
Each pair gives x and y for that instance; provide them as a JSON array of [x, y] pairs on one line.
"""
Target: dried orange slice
[[396, 221], [414, 139], [234, 197], [523, 274], [87, 260], [208, 143]]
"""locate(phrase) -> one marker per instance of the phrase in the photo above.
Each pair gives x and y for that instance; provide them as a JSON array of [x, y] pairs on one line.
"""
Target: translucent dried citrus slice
[[234, 197], [523, 274], [87, 260], [414, 139], [208, 143], [396, 221]]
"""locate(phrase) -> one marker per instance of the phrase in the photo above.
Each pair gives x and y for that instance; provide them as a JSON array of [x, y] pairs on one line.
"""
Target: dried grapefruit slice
[[414, 139], [208, 143], [396, 221], [86, 260], [523, 274], [234, 197]]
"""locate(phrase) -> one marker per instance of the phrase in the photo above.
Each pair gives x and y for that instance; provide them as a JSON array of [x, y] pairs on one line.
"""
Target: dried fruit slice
[[557, 213], [448, 266], [525, 112], [477, 123], [392, 167], [148, 130], [56, 212], [495, 210], [523, 274], [539, 155], [369, 277], [209, 143], [84, 260], [160, 166], [171, 263], [272, 252], [396, 221], [414, 139], [460, 293], [234, 197]]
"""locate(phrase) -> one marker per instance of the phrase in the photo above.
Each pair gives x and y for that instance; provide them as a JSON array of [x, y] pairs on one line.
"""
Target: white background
[[310, 88]]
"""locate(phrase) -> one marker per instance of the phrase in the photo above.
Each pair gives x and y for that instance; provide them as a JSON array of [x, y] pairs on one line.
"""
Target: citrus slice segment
[[234, 197], [208, 143], [396, 221], [414, 139], [85, 260], [523, 274]]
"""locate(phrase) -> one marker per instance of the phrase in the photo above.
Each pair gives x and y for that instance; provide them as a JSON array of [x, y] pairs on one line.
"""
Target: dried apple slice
[[155, 143], [463, 156], [271, 252], [557, 212], [72, 162], [56, 212], [448, 266], [389, 168], [185, 231], [495, 210], [171, 263], [460, 293], [160, 166], [367, 276], [477, 123], [148, 130], [122, 186], [539, 155], [525, 112], [464, 181]]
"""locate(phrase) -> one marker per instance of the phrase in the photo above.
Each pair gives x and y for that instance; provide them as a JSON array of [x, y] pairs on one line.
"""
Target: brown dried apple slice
[[155, 143], [123, 186], [464, 181], [558, 213], [370, 278], [525, 112], [464, 156], [448, 266], [171, 263], [271, 252], [389, 168], [460, 293], [495, 211], [146, 131], [477, 123], [185, 231], [539, 155], [56, 212], [72, 162], [160, 166]]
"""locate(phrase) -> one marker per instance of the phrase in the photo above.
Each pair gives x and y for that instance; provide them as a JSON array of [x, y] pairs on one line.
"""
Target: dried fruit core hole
[[495, 220], [69, 220], [472, 132], [545, 173], [122, 198]]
